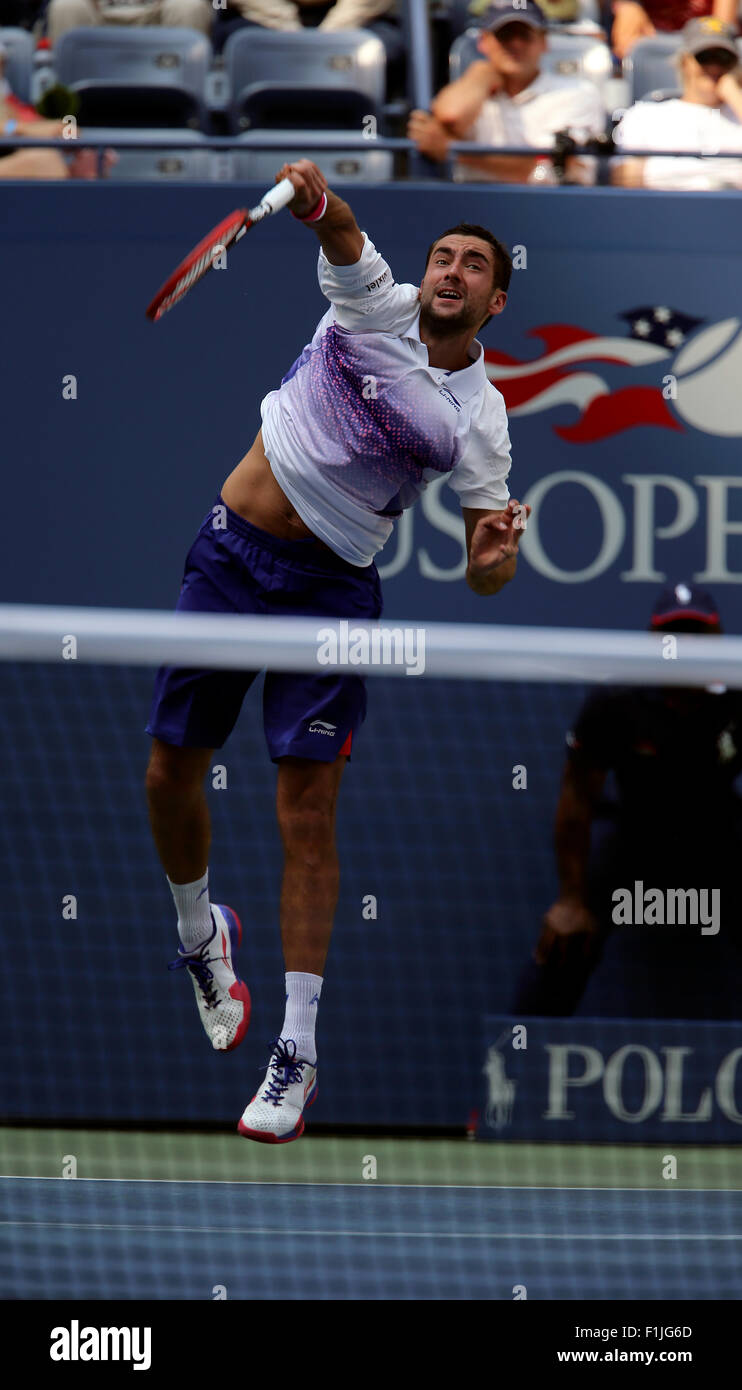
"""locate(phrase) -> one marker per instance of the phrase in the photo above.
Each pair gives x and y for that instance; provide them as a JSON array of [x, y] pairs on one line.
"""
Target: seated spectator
[[23, 122], [707, 117], [633, 22], [326, 15], [505, 99], [63, 15]]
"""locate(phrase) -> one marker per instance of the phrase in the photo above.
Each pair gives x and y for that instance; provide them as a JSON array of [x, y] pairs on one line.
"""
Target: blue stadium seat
[[183, 161], [338, 166], [19, 63], [136, 77], [649, 66], [663, 94], [283, 81]]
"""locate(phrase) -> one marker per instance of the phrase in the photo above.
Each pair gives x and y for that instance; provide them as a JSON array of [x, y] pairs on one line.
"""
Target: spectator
[[505, 99], [675, 755], [23, 122], [63, 15], [633, 22], [707, 117]]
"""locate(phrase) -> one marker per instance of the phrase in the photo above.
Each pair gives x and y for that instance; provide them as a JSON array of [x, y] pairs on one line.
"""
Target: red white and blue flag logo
[[696, 371]]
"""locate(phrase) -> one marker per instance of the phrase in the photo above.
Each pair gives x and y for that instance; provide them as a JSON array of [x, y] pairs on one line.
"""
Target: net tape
[[467, 651]]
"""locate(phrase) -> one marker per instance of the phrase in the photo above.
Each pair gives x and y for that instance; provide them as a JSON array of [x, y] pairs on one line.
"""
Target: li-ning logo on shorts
[[318, 726]]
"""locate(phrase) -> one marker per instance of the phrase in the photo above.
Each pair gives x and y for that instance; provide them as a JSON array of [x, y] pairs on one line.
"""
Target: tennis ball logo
[[709, 372]]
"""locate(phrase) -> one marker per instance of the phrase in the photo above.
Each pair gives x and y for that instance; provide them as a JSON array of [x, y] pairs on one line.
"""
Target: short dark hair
[[503, 267]]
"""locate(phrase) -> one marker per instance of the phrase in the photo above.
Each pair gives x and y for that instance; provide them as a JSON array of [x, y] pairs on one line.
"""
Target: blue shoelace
[[199, 969], [283, 1061]]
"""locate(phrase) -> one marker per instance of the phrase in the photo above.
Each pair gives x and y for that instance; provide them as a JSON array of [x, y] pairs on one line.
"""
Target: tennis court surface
[[442, 1219]]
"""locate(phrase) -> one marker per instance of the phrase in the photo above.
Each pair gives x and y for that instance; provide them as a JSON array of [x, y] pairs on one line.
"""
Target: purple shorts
[[240, 569]]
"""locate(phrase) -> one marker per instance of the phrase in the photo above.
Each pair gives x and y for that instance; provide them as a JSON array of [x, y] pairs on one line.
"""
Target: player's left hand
[[496, 537]]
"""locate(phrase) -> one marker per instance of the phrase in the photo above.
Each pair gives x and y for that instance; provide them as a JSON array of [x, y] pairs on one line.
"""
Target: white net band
[[467, 651]]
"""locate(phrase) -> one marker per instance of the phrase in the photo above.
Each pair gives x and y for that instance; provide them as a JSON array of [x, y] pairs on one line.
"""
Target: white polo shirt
[[362, 423], [548, 104], [683, 125]]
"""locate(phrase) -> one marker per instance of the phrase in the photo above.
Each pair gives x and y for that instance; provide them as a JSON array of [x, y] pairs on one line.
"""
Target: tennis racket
[[202, 257]]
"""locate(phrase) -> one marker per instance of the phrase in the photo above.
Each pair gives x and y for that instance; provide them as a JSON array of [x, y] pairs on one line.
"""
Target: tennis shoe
[[223, 999], [275, 1114]]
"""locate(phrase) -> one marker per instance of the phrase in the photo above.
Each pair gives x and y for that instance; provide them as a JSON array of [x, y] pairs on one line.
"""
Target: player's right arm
[[352, 274], [340, 236]]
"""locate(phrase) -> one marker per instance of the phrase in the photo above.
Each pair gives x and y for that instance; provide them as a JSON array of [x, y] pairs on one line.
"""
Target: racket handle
[[275, 199]]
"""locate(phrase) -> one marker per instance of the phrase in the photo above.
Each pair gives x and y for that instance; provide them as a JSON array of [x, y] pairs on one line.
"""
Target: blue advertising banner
[[618, 354], [598, 1080]]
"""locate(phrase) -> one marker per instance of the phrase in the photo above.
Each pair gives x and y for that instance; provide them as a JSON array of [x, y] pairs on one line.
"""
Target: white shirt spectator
[[548, 104], [684, 125]]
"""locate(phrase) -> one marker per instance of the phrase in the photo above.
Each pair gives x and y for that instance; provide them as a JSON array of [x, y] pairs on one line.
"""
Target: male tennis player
[[390, 393]]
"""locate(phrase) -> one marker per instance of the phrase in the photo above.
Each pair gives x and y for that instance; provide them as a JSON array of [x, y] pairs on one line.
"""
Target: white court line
[[400, 1186], [355, 1235]]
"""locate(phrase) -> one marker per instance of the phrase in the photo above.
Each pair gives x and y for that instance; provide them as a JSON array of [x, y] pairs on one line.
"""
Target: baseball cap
[[685, 603], [505, 12], [699, 35]]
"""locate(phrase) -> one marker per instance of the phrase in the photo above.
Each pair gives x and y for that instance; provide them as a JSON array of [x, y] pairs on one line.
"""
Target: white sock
[[194, 912], [302, 1001]]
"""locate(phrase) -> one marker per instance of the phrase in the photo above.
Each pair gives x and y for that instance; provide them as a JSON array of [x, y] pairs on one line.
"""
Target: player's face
[[457, 292]]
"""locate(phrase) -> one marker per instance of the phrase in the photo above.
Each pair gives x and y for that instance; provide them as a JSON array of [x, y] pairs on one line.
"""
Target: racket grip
[[275, 199]]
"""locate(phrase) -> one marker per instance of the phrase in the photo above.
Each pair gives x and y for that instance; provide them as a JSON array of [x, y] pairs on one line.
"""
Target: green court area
[[401, 1161]]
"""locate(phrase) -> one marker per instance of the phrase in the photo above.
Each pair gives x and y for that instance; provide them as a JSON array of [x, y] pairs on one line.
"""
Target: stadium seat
[[19, 63], [649, 66], [283, 81], [577, 55], [338, 166], [136, 77], [183, 160], [663, 94]]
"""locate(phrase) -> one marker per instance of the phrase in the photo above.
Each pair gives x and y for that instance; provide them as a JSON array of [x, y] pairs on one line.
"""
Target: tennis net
[[445, 835]]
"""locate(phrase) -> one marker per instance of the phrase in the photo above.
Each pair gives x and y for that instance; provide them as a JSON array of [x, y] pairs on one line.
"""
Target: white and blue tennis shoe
[[223, 999], [275, 1114]]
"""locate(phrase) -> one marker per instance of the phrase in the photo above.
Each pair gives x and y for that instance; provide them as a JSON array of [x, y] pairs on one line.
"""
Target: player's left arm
[[492, 539]]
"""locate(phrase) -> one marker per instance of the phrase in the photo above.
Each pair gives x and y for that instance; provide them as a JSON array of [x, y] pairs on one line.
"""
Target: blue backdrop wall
[[620, 357]]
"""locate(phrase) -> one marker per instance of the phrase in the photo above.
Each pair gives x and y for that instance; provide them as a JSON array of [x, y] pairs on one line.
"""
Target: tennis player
[[390, 394]]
